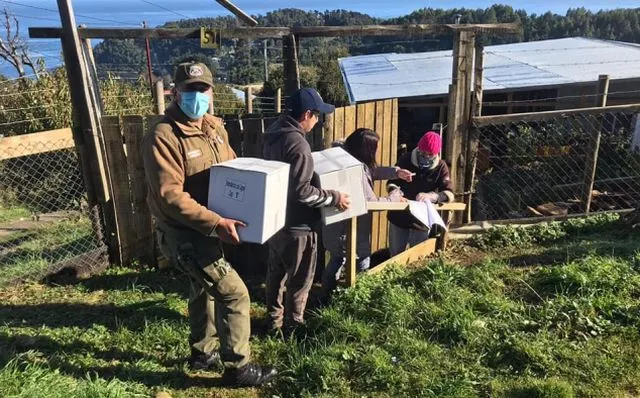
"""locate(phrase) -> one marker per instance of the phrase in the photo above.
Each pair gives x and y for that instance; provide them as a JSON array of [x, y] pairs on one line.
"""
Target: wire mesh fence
[[543, 167], [45, 221]]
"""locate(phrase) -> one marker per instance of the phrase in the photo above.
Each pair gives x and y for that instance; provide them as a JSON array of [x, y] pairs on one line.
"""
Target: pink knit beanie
[[430, 143]]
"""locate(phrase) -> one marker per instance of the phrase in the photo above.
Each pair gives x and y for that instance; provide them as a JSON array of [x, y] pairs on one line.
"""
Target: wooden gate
[[382, 117]]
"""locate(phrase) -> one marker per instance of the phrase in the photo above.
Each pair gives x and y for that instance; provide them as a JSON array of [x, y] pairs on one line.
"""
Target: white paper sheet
[[426, 213]]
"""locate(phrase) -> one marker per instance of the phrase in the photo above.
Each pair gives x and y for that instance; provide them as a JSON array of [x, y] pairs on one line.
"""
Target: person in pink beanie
[[431, 183]]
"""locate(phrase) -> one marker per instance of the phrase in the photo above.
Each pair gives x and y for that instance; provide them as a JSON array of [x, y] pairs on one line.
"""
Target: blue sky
[[135, 10]]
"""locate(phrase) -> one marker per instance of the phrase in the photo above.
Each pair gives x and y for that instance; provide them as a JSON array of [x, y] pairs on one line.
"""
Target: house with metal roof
[[519, 77]]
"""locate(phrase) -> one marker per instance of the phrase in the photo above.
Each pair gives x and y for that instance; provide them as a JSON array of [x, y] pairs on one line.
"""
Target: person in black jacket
[[293, 250], [431, 183]]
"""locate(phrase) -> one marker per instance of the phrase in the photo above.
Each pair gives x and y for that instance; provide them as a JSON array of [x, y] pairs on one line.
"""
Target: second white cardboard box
[[253, 191], [338, 170]]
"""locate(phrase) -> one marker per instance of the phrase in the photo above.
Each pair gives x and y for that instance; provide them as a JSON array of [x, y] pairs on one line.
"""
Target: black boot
[[207, 362], [249, 375]]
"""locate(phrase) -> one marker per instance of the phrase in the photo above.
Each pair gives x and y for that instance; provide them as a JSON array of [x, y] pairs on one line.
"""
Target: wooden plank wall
[[121, 193], [381, 116], [143, 241]]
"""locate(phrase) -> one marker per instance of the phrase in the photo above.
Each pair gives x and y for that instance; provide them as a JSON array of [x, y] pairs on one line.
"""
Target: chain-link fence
[[45, 224], [541, 167]]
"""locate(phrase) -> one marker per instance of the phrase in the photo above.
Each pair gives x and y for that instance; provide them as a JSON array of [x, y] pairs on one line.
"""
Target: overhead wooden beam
[[159, 33], [403, 30], [278, 32], [244, 17]]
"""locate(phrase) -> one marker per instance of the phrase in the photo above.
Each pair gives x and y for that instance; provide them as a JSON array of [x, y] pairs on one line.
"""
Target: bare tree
[[13, 48]]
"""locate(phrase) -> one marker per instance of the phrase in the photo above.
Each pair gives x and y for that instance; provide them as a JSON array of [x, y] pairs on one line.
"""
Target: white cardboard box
[[342, 172], [253, 191]]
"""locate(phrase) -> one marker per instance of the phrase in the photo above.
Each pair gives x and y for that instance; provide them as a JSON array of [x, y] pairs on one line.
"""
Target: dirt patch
[[463, 254]]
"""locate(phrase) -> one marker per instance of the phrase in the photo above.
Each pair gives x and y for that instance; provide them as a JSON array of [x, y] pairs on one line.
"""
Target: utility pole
[[149, 71], [266, 62]]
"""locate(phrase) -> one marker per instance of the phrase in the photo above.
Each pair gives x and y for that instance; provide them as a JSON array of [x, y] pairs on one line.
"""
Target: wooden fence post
[[459, 109], [92, 72], [148, 54], [291, 69], [248, 103], [117, 162], [350, 265], [472, 145], [278, 100], [159, 97], [87, 136], [594, 144]]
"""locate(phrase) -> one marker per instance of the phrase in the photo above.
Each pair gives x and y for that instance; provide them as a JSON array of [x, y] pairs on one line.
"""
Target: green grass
[[30, 253], [567, 326], [13, 213]]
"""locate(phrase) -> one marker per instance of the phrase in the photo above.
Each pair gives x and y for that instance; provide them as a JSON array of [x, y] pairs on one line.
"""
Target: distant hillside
[[242, 62]]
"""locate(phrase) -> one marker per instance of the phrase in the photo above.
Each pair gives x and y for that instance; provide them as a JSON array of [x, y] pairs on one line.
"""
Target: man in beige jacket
[[177, 153]]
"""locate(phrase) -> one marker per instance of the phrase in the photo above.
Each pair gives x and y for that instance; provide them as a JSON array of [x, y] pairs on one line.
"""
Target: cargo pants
[[292, 264], [219, 301]]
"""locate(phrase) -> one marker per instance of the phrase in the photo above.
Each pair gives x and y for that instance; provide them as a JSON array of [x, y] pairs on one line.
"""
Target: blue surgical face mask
[[194, 104]]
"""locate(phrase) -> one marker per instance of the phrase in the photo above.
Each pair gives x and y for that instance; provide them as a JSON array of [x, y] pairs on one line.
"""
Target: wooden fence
[[381, 116], [123, 136]]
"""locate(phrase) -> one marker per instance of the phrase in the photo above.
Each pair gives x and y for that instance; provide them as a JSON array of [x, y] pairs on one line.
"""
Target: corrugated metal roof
[[507, 66]]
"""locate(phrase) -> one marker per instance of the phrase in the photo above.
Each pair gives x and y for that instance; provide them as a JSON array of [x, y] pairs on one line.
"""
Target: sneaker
[[249, 375], [207, 362]]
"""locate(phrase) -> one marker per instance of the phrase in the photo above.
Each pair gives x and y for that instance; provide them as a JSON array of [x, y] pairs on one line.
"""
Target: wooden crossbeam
[[411, 255], [483, 121], [382, 206], [404, 30], [31, 144], [159, 33], [279, 32]]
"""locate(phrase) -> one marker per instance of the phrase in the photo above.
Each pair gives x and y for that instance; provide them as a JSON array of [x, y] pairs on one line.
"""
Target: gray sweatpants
[[292, 264]]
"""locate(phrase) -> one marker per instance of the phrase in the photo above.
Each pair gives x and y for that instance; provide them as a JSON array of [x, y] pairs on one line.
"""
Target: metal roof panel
[[507, 66]]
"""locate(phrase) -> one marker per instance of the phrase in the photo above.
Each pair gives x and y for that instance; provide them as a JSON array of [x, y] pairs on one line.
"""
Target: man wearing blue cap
[[293, 250]]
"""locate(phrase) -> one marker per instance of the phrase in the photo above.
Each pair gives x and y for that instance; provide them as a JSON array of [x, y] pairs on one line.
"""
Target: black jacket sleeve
[[445, 186]]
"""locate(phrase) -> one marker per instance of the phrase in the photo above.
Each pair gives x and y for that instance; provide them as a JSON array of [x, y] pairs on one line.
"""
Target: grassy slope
[[30, 253], [568, 328]]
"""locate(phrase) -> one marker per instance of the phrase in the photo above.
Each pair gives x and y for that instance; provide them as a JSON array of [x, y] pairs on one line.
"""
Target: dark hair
[[362, 144], [296, 114]]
